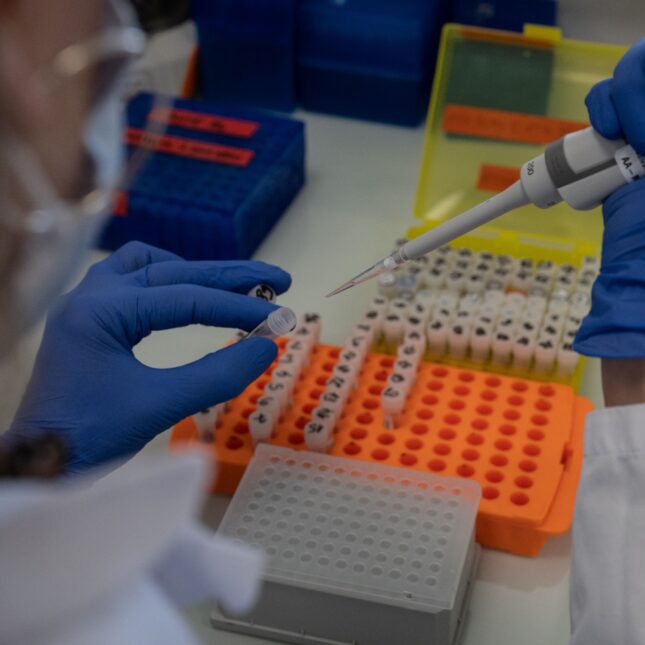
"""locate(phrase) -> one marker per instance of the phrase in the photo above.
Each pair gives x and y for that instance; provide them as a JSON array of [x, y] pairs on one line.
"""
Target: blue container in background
[[203, 208], [369, 59], [247, 52], [505, 14]]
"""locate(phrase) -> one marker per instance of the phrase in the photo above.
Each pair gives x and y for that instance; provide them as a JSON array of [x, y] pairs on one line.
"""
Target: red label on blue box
[[204, 122], [182, 147]]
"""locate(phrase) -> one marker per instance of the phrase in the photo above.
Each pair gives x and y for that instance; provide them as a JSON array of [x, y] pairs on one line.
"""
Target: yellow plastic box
[[498, 99]]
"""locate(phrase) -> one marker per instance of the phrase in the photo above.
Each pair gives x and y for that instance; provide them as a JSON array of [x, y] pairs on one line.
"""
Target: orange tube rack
[[521, 440]]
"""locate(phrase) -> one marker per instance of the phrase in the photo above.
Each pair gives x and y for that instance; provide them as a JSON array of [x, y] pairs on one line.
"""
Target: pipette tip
[[343, 287]]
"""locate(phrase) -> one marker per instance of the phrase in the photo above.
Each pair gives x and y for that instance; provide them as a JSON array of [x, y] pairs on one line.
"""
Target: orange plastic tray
[[520, 439]]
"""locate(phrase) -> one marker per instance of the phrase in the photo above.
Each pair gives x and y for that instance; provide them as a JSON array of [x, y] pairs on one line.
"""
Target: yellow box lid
[[498, 99]]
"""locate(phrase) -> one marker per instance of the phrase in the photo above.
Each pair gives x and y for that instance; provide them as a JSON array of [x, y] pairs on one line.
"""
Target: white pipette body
[[581, 168]]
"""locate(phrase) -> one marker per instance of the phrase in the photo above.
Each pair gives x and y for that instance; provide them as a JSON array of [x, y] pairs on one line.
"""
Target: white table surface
[[361, 180]]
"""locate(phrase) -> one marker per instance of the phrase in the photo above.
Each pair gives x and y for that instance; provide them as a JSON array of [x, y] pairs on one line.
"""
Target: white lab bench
[[361, 179]]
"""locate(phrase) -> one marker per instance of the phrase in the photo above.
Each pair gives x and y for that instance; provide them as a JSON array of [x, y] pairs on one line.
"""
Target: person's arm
[[623, 381], [608, 556]]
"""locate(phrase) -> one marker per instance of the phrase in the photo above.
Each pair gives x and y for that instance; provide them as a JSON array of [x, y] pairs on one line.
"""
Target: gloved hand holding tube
[[87, 384]]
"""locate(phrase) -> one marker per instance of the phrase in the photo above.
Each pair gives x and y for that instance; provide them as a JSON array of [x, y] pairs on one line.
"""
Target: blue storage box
[[223, 179], [505, 14], [247, 52], [370, 59]]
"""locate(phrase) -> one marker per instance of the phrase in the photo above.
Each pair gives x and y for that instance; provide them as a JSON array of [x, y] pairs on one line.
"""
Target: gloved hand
[[87, 384], [615, 326]]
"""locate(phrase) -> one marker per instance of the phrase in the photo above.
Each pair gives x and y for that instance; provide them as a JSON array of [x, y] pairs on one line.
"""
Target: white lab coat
[[86, 562], [608, 557]]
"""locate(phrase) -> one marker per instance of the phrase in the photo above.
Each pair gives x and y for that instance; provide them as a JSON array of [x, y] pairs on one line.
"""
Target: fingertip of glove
[[602, 113], [263, 349]]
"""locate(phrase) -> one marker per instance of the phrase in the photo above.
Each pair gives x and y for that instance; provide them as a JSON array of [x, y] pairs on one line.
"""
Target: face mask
[[44, 237]]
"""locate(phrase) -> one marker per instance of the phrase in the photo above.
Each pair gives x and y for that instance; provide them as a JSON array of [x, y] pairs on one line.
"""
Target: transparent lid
[[282, 321], [370, 531]]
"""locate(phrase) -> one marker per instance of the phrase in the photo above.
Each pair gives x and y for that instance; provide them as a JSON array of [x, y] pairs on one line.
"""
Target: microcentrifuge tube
[[393, 403], [318, 436], [264, 292], [261, 426], [278, 323], [205, 424], [387, 285]]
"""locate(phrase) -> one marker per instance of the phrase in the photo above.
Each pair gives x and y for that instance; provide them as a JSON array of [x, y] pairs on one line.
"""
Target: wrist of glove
[[615, 326], [87, 384]]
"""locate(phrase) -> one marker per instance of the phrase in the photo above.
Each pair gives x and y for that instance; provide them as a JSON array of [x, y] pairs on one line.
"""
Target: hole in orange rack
[[488, 395], [440, 372], [523, 482], [479, 424], [490, 493], [381, 376], [419, 428], [519, 499], [466, 377], [309, 408], [365, 418], [334, 353], [254, 398], [527, 466], [465, 470], [474, 439], [424, 414], [407, 459], [536, 435], [429, 399], [515, 400], [386, 438], [380, 454], [484, 410], [493, 381], [247, 413], [543, 405], [442, 449], [352, 449], [532, 450], [370, 404], [435, 386], [322, 381], [452, 419], [494, 476], [387, 362], [358, 433], [315, 394], [470, 454], [375, 390], [301, 422], [498, 460], [462, 390], [503, 444], [518, 386], [546, 390], [511, 415], [328, 367], [234, 443], [508, 429], [447, 434], [241, 428], [539, 420], [262, 383], [457, 404], [437, 465], [296, 438], [414, 444]]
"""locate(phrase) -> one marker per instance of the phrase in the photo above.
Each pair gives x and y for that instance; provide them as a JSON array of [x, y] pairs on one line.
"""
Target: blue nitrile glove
[[615, 327], [88, 385]]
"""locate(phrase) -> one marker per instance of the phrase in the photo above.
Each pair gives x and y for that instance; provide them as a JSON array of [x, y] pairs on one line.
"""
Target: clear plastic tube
[[278, 323]]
